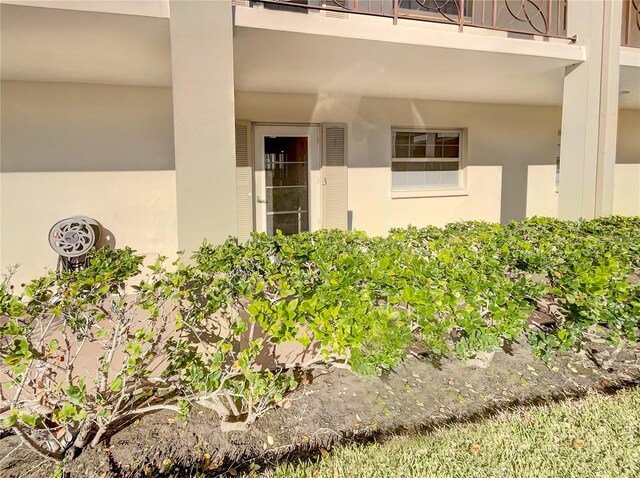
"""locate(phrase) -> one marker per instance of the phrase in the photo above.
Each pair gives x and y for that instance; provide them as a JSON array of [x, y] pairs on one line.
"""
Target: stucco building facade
[[175, 121]]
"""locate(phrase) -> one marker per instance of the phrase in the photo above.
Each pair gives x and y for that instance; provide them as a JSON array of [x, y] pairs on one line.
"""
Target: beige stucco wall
[[628, 147], [50, 126], [626, 195], [137, 207], [542, 195], [541, 200], [510, 162], [505, 145], [80, 149]]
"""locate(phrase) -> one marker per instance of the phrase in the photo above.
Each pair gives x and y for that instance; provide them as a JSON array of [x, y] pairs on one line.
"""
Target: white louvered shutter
[[244, 180], [334, 176]]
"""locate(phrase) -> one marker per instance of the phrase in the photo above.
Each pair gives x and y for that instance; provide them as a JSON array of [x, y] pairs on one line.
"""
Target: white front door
[[287, 179]]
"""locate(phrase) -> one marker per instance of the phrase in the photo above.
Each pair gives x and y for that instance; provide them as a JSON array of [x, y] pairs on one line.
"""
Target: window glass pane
[[285, 149], [401, 151], [425, 166], [418, 151], [431, 138], [402, 138], [449, 166], [286, 166], [450, 178], [431, 173], [425, 179], [423, 144], [450, 151], [448, 139], [421, 138], [417, 174], [286, 175]]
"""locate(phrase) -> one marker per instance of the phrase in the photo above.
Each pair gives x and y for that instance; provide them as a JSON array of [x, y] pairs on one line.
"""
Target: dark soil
[[336, 406]]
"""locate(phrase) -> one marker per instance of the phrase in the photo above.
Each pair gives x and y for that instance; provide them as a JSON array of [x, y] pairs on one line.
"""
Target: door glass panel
[[287, 174], [293, 223], [286, 165], [289, 198]]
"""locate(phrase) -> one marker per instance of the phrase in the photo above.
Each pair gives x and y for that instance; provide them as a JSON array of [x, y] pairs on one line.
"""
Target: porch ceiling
[[280, 61]]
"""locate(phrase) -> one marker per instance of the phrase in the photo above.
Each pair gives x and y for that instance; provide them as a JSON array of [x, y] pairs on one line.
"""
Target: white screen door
[[287, 182]]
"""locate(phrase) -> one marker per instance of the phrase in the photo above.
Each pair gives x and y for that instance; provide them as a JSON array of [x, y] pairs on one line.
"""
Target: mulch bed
[[334, 406]]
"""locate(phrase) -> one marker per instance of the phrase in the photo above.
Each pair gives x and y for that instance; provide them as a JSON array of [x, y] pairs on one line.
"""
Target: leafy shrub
[[364, 300], [149, 354], [51, 402], [592, 270], [214, 352], [206, 331]]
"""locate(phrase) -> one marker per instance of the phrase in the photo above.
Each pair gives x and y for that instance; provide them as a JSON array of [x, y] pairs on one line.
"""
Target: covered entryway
[[287, 179], [290, 177]]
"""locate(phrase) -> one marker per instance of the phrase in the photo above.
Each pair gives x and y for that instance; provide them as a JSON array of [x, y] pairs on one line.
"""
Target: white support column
[[204, 120], [590, 111], [610, 87]]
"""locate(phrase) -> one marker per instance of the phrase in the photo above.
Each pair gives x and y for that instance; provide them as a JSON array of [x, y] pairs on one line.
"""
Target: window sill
[[427, 193]]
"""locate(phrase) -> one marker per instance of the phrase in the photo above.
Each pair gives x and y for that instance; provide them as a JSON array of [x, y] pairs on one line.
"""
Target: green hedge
[[467, 287], [353, 300]]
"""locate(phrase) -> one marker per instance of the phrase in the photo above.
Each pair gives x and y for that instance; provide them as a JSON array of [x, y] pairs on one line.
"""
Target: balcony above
[[545, 18], [309, 53]]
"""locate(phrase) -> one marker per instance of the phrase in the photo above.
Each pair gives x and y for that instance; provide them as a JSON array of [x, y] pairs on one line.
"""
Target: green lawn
[[597, 437]]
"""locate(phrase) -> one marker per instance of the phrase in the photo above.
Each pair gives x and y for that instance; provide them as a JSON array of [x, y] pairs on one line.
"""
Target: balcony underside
[[294, 53], [279, 61]]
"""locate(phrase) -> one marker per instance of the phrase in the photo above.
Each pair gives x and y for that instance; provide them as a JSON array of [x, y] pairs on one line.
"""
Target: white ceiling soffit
[[43, 44], [276, 61]]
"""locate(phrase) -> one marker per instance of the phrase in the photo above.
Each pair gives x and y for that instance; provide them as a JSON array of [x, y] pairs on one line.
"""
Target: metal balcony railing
[[545, 18], [631, 23]]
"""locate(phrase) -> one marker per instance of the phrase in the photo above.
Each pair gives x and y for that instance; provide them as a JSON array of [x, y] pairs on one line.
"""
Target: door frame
[[311, 131]]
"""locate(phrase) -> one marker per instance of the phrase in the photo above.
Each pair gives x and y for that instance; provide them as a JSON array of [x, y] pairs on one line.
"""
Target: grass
[[598, 437]]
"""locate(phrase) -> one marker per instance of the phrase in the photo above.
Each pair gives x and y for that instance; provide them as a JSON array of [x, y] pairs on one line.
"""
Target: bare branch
[[33, 445]]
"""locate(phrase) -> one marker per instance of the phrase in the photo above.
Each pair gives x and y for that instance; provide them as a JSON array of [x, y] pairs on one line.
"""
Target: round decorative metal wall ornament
[[95, 225], [72, 237]]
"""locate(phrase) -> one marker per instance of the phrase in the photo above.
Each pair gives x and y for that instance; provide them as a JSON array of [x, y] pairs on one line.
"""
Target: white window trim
[[424, 191]]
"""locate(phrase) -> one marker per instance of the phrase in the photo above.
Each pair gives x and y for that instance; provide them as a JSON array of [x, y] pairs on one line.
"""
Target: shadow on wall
[[628, 145], [65, 127], [106, 239], [514, 192], [102, 150]]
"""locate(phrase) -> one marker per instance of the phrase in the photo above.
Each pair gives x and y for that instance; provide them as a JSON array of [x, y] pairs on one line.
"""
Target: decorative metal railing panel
[[529, 17], [631, 23]]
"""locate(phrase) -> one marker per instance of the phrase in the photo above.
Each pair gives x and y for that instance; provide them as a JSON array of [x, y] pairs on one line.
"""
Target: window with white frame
[[425, 158]]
